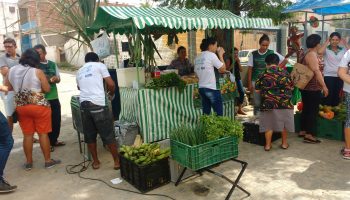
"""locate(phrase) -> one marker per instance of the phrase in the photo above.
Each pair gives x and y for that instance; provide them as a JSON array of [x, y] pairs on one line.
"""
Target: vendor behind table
[[181, 63]]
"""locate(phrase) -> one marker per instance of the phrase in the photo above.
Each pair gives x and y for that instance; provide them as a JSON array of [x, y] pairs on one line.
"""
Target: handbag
[[301, 75]]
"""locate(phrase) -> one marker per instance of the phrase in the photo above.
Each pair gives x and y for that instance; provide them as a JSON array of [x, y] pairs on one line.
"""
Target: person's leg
[[28, 147], [45, 146], [6, 144], [241, 97], [303, 115], [257, 100], [113, 149], [216, 102], [338, 87], [330, 83], [205, 101], [346, 151], [93, 150], [56, 121], [284, 134], [268, 136], [312, 108]]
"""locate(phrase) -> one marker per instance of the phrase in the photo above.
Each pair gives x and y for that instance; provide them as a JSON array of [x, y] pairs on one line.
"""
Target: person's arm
[[221, 69], [110, 85], [343, 68], [323, 48], [56, 78], [283, 60], [3, 88], [4, 70], [45, 86], [313, 63], [250, 72]]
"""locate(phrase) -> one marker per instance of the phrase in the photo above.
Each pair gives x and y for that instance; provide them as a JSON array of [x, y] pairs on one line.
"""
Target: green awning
[[120, 19]]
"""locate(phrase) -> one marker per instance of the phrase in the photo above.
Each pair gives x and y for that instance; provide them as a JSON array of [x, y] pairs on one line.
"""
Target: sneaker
[[346, 154], [28, 166], [52, 163], [6, 187]]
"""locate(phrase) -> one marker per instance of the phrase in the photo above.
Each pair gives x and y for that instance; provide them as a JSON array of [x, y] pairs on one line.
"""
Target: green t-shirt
[[50, 69], [259, 64]]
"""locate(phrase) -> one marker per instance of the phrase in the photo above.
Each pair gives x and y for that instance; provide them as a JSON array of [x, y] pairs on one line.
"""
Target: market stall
[[157, 111]]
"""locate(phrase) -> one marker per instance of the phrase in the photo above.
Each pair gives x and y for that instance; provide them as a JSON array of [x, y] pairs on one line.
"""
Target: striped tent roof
[[110, 17]]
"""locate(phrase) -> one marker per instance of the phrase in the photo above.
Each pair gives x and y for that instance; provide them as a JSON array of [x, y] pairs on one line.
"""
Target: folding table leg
[[180, 177], [244, 166], [79, 141]]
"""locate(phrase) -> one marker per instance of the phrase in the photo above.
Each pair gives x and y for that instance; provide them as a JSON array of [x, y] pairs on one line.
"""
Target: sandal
[[346, 154], [52, 163], [28, 166], [311, 141], [284, 147], [267, 149], [35, 140], [116, 168], [59, 143], [95, 165]]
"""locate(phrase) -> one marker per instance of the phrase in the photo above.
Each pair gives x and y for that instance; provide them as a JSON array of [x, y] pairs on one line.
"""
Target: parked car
[[244, 55]]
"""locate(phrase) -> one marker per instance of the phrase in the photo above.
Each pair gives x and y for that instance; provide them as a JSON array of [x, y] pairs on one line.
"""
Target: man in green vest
[[51, 71]]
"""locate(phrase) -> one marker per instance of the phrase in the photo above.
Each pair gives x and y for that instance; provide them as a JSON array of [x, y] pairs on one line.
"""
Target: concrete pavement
[[304, 171]]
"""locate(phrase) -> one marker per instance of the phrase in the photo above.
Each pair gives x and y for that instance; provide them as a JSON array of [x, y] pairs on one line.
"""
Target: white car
[[244, 55]]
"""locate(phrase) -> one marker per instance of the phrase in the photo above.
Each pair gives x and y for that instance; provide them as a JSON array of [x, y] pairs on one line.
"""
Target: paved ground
[[303, 171]]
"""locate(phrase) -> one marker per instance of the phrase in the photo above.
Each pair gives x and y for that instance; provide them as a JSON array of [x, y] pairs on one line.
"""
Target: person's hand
[[325, 91], [54, 79], [220, 51]]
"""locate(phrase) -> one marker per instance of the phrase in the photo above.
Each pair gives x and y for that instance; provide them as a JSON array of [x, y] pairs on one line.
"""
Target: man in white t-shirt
[[344, 74], [96, 116], [207, 67]]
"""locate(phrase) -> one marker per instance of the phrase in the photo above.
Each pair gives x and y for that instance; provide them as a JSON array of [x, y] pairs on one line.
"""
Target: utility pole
[[38, 23], [3, 14]]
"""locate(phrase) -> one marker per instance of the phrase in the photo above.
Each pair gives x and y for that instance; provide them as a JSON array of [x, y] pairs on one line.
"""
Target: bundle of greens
[[165, 81], [211, 127], [216, 127]]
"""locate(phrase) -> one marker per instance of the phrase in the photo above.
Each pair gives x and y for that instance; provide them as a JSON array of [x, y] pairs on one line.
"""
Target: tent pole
[[136, 46], [116, 65], [305, 30], [323, 39]]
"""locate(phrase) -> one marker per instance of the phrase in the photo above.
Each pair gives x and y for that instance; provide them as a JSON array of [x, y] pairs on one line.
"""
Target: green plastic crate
[[204, 155], [330, 129]]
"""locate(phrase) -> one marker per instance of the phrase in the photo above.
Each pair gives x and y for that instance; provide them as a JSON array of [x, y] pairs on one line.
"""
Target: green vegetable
[[144, 154], [165, 81]]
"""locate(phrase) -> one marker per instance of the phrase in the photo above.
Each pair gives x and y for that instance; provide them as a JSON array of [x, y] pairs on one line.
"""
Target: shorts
[[34, 118], [97, 119], [9, 103], [277, 120]]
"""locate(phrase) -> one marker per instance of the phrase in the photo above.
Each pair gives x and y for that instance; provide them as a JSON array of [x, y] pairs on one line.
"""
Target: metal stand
[[234, 183]]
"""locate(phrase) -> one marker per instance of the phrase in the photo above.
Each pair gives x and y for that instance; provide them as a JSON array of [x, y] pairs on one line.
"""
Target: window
[[12, 9]]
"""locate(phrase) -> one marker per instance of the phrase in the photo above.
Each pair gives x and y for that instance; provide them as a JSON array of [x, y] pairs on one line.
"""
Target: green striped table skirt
[[159, 111]]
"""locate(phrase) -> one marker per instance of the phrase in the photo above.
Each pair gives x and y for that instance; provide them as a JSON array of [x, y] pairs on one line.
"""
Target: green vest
[[259, 64], [50, 70]]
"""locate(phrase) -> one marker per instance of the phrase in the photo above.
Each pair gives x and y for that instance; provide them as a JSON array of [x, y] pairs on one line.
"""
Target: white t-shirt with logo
[[204, 68], [331, 61], [344, 63], [90, 82]]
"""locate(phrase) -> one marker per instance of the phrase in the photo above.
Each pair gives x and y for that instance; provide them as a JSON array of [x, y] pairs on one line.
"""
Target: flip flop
[[59, 143], [285, 148], [116, 168], [267, 149], [311, 141], [95, 165]]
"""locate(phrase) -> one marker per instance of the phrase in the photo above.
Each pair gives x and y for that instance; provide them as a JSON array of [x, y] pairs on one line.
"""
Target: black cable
[[71, 170]]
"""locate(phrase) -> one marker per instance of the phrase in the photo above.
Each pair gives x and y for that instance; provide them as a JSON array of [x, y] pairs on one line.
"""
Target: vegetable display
[[167, 80], [145, 154], [211, 127], [336, 112]]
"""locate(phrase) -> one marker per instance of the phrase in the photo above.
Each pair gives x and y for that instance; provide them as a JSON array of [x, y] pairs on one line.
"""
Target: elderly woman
[[34, 113], [311, 94], [332, 54], [208, 65], [275, 87]]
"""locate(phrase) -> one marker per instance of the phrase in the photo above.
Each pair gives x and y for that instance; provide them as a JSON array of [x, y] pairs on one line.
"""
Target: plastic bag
[[232, 78], [101, 46]]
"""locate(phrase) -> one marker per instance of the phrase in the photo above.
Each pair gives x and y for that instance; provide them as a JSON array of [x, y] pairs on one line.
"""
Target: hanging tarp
[[321, 7], [120, 19]]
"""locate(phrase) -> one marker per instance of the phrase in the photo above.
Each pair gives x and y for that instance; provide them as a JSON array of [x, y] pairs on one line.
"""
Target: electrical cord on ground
[[73, 169]]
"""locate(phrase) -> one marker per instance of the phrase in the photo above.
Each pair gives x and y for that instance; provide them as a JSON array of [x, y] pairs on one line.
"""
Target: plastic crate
[[330, 129], [297, 122], [145, 178], [252, 135], [204, 155], [76, 114]]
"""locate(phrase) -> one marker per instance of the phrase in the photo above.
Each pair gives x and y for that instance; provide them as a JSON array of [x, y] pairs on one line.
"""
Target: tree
[[76, 15], [253, 8]]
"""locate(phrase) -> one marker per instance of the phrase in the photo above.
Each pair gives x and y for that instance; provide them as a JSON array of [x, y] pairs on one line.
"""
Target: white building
[[9, 21]]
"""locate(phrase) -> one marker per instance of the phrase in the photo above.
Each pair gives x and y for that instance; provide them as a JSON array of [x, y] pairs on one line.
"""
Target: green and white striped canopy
[[112, 18]]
